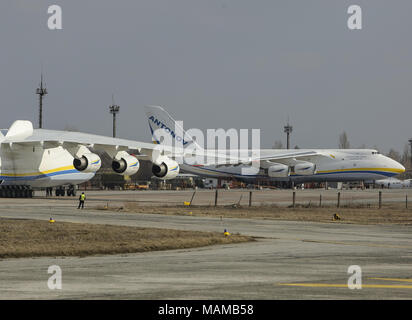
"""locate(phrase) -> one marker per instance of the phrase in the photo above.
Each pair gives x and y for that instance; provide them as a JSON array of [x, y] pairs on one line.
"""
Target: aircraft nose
[[398, 166]]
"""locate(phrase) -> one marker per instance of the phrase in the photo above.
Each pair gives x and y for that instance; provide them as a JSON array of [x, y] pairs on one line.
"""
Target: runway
[[289, 260]]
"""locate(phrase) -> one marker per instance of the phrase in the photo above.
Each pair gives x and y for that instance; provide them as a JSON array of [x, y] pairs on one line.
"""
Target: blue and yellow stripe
[[383, 171], [134, 164], [389, 172], [39, 174]]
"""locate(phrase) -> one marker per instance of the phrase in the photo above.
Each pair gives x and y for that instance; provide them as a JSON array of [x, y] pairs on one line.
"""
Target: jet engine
[[305, 168], [167, 169], [88, 162], [126, 165], [278, 171]]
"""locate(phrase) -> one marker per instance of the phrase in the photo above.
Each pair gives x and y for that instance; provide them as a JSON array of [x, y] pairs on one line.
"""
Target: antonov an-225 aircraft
[[39, 158], [299, 165]]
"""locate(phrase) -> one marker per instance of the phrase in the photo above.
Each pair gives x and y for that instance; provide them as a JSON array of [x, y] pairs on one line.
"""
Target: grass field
[[32, 238], [388, 214]]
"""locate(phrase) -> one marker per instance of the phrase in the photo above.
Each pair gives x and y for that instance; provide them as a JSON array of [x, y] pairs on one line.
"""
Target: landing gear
[[61, 191], [71, 191], [16, 192]]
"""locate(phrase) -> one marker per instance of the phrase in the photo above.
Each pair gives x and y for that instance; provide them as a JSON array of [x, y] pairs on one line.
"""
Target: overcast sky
[[214, 64]]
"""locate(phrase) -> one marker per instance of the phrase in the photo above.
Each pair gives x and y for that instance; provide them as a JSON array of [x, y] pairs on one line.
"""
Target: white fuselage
[[335, 165], [38, 167]]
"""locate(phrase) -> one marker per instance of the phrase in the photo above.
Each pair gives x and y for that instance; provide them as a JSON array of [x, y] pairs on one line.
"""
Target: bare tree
[[406, 158], [395, 155], [278, 145], [343, 141], [68, 127]]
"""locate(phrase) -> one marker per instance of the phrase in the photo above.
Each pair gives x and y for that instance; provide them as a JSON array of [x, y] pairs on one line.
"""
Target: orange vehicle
[[132, 186]]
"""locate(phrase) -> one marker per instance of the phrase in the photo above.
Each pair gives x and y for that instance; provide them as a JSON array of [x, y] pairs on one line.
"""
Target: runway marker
[[332, 285]]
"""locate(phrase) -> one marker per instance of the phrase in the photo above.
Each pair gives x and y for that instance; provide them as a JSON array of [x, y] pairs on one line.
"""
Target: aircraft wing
[[289, 157], [22, 133], [67, 139], [270, 157]]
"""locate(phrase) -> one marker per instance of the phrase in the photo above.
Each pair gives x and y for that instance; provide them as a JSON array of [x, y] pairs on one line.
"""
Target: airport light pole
[[114, 109], [41, 91], [288, 130], [410, 143]]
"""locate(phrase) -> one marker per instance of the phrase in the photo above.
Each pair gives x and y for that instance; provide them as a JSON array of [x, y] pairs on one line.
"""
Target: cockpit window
[[375, 152]]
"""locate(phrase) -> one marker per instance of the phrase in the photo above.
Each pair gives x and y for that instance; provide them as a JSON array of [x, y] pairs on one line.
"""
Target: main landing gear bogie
[[61, 191], [23, 191], [16, 192]]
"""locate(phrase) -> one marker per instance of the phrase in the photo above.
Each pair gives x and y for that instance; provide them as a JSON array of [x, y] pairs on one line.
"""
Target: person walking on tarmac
[[81, 200]]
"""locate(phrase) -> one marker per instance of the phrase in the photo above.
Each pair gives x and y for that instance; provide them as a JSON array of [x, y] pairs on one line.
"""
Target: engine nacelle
[[305, 168], [88, 162], [168, 168], [278, 171], [126, 165]]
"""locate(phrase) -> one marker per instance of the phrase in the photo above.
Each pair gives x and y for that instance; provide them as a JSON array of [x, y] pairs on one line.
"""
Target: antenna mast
[[114, 109], [288, 130], [41, 91]]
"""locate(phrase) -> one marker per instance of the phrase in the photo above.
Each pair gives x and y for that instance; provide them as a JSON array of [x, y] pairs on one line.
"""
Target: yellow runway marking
[[331, 285], [364, 244], [392, 279]]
